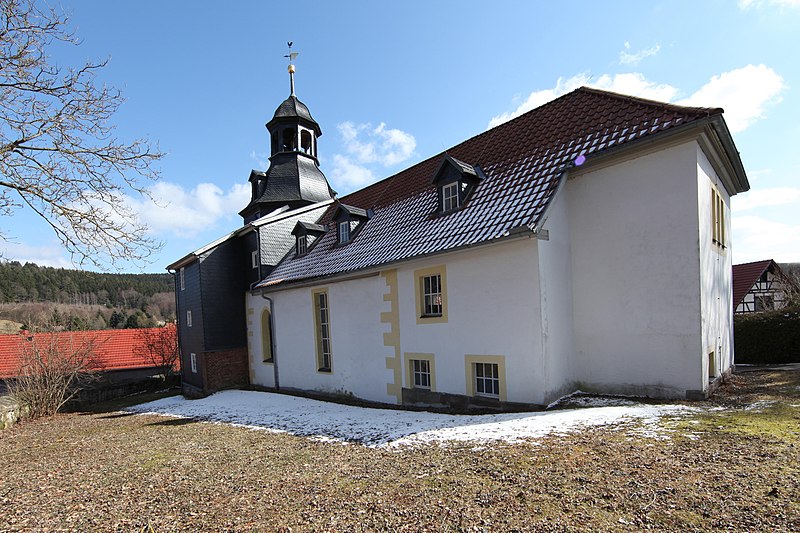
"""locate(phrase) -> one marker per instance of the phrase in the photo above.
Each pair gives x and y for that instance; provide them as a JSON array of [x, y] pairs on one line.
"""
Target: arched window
[[266, 335], [306, 143], [274, 148], [289, 140]]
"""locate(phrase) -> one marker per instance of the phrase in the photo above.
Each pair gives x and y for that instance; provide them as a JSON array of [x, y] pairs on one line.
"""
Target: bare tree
[[58, 152], [53, 367], [159, 346]]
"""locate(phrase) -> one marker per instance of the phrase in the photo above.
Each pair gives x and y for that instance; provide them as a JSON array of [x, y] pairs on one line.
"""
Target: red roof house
[[114, 349]]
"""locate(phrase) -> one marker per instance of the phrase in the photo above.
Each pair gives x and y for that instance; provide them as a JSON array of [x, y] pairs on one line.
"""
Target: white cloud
[[176, 211], [261, 159], [747, 4], [368, 144], [744, 93], [51, 255], [628, 58], [765, 198], [756, 238], [347, 176], [629, 83]]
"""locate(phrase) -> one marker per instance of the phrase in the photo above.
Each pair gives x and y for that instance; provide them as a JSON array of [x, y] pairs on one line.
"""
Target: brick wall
[[225, 369]]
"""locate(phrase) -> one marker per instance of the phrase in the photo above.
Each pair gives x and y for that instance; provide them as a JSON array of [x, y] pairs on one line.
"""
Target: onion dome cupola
[[293, 177]]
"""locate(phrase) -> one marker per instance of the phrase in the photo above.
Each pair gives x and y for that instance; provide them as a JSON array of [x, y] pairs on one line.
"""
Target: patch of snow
[[327, 421], [760, 405]]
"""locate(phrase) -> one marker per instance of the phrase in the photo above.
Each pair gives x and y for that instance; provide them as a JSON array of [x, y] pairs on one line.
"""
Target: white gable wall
[[555, 283], [635, 274], [716, 273]]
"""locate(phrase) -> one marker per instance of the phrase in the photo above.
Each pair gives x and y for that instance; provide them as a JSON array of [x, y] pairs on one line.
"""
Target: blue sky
[[395, 83]]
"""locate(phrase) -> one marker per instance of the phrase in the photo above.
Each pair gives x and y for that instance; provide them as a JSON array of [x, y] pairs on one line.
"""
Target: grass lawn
[[737, 467]]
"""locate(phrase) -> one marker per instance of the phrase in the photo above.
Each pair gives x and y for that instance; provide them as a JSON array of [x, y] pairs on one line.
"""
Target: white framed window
[[193, 362], [302, 244], [344, 231], [432, 295], [450, 196], [182, 276], [322, 320], [254, 259], [487, 379], [188, 319], [421, 373]]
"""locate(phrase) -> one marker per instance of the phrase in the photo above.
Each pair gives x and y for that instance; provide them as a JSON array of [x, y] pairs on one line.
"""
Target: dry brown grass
[[733, 469]]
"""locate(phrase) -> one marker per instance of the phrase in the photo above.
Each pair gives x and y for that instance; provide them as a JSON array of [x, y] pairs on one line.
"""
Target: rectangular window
[[430, 286], [193, 362], [432, 295], [254, 259], [322, 321], [302, 245], [717, 218], [487, 380], [450, 196], [188, 319], [182, 276], [421, 373], [344, 231]]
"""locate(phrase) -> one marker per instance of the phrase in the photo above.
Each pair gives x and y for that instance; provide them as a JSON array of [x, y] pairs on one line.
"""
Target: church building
[[582, 245]]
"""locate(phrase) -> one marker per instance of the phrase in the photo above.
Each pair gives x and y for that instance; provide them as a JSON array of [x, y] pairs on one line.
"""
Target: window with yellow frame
[[431, 294]]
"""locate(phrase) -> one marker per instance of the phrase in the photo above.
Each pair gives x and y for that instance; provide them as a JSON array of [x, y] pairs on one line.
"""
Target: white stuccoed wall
[[716, 275], [493, 300], [556, 302], [635, 270], [480, 282]]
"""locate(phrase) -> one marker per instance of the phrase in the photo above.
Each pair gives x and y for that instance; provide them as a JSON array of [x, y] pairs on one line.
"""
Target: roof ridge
[[708, 111]]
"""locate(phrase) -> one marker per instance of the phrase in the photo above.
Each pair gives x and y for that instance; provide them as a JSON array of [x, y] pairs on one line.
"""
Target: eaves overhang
[[284, 284], [711, 133]]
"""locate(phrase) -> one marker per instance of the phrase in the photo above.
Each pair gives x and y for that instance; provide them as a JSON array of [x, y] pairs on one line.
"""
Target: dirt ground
[[733, 466]]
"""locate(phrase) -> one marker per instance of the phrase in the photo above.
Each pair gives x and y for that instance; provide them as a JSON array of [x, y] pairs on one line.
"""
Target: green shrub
[[767, 338]]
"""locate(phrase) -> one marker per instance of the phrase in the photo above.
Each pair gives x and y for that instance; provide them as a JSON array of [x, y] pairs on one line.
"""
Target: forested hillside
[[75, 299]]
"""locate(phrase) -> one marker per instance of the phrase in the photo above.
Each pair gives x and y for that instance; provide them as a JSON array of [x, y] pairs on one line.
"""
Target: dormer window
[[344, 231], [450, 196], [349, 220], [302, 244], [455, 182], [307, 236]]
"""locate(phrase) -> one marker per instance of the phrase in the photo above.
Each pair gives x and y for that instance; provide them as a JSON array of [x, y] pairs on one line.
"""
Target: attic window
[[455, 182], [349, 221], [307, 236], [302, 244], [344, 231], [450, 196]]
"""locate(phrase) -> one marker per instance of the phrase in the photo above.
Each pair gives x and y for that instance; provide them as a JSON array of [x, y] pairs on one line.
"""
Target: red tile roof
[[745, 276], [523, 161], [115, 349]]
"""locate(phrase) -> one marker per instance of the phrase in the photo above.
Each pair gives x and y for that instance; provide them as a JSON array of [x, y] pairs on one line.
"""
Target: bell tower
[[293, 177]]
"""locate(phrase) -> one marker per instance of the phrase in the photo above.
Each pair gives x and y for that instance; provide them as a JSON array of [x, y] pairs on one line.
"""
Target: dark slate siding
[[224, 276], [250, 244], [191, 338]]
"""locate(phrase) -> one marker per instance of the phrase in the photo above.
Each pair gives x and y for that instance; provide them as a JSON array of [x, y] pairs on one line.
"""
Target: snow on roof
[[390, 427], [523, 162]]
